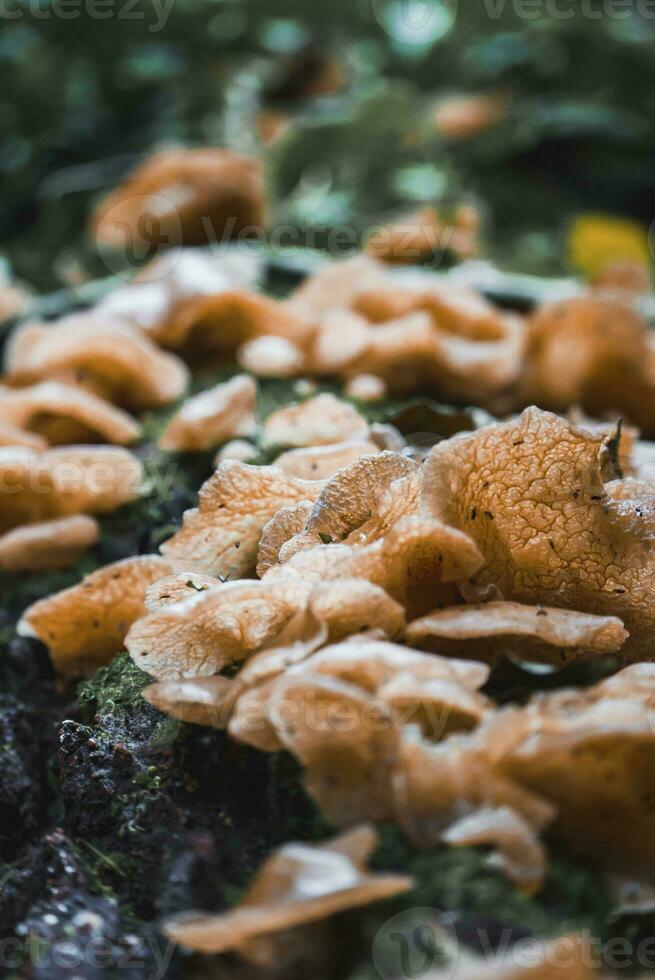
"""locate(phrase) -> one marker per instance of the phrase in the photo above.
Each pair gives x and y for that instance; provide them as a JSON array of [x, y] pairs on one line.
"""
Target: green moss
[[455, 879], [114, 689]]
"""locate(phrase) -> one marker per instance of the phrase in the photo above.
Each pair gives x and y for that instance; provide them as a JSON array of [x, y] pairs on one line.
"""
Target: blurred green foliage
[[91, 86]]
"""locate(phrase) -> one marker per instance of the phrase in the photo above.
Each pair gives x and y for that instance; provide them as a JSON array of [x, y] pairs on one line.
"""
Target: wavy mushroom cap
[[410, 239], [438, 693], [591, 754], [173, 588], [284, 525], [418, 561], [272, 357], [86, 625], [109, 357], [221, 536], [530, 633], [345, 740], [319, 421], [64, 481], [299, 884], [152, 300], [530, 494], [213, 628], [341, 338], [453, 791], [220, 413], [58, 543], [66, 414], [359, 502]]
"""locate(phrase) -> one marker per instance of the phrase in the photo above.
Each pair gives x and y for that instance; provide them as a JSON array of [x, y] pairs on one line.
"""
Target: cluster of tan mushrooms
[[386, 590], [348, 602]]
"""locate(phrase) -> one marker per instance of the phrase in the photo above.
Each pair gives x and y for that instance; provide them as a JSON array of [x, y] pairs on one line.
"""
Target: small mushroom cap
[[66, 414], [304, 633], [222, 535], [297, 885], [96, 479], [519, 855], [530, 494], [627, 277], [342, 337], [333, 611], [111, 358], [446, 335], [494, 629], [196, 195], [85, 626], [366, 388], [318, 421], [351, 606], [321, 462], [271, 357], [223, 412], [212, 629], [580, 760], [47, 544], [64, 481]]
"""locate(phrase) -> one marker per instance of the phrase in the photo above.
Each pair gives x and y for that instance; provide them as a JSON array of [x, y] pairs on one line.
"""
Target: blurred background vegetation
[[343, 100]]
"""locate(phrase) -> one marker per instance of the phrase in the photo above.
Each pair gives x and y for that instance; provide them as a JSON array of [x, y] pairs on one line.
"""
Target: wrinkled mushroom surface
[[222, 535]]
